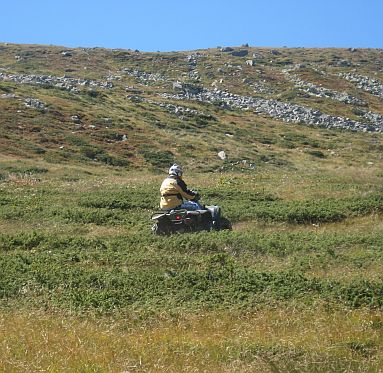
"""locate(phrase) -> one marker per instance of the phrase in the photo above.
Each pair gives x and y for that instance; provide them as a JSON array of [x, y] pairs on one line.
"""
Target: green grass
[[212, 270]]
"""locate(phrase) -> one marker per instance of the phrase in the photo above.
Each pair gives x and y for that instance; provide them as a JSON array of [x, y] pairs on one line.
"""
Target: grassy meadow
[[85, 286], [296, 286]]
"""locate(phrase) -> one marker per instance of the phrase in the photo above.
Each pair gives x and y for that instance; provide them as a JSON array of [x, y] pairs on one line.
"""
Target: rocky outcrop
[[64, 82], [318, 91], [366, 83], [240, 53], [286, 112], [178, 110], [192, 64], [373, 118], [226, 49], [144, 77], [34, 103]]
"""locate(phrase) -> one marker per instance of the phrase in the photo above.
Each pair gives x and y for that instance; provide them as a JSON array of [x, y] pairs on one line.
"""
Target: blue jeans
[[191, 206]]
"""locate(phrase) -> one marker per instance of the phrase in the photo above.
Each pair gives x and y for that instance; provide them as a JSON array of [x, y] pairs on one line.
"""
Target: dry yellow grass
[[263, 341]]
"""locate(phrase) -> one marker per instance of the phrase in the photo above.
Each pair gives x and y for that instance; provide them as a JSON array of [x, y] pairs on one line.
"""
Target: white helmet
[[175, 170]]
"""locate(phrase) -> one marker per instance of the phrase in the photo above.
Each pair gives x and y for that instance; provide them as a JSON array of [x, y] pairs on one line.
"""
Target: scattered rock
[[364, 82], [318, 91], [64, 82], [284, 111], [177, 109], [222, 155], [258, 56], [145, 77], [274, 52], [177, 86], [75, 119], [34, 103], [8, 95], [132, 89], [343, 63], [66, 54], [187, 88]]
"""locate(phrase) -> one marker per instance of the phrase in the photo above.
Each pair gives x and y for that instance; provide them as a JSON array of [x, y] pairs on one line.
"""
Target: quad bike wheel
[[225, 224], [159, 229]]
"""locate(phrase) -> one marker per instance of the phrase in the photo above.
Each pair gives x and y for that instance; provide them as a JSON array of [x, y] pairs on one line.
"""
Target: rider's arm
[[184, 191]]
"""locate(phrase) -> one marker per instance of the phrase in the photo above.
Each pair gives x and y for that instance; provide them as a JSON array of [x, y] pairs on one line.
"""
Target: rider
[[174, 191]]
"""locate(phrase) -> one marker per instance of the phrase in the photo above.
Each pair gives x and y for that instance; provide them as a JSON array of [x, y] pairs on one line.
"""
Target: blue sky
[[168, 25]]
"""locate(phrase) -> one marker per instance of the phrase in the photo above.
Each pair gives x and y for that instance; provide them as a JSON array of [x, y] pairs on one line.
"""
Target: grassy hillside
[[296, 286]]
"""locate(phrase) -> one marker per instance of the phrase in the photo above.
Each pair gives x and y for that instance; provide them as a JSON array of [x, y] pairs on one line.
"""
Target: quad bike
[[182, 221]]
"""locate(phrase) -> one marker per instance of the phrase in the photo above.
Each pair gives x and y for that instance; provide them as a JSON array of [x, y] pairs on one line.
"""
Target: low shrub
[[158, 159]]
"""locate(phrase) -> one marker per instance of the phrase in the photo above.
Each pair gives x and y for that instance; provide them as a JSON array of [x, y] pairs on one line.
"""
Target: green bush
[[316, 153], [98, 154], [158, 159]]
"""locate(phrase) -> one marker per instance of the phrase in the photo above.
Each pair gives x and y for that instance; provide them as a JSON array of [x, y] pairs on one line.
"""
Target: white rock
[[222, 155]]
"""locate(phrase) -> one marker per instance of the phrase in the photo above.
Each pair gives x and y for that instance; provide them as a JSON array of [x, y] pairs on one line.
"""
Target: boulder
[[34, 103], [75, 119], [226, 49], [222, 155], [240, 53], [177, 86]]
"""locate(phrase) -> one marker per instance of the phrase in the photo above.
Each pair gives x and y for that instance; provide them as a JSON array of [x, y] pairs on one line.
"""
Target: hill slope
[[126, 108]]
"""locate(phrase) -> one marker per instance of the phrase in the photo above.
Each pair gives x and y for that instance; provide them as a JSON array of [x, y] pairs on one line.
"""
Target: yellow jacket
[[173, 191]]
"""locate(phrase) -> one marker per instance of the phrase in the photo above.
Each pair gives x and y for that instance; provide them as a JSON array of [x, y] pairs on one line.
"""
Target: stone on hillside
[[177, 86], [66, 54], [8, 95], [222, 155], [289, 113], [257, 56], [344, 63], [250, 62], [240, 53], [188, 88], [274, 52], [34, 103], [226, 49], [75, 119]]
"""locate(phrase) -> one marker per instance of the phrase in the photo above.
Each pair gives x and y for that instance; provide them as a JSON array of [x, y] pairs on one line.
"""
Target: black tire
[[159, 229], [225, 224], [155, 229], [215, 212]]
